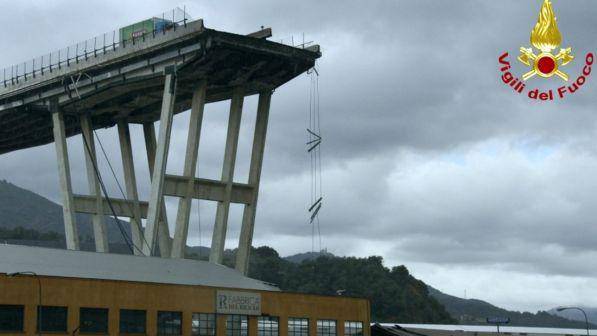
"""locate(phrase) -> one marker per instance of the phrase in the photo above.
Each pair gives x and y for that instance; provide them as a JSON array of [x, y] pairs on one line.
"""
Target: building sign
[[242, 303]]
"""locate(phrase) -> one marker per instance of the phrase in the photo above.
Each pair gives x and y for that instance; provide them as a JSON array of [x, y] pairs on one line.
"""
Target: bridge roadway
[[128, 82]]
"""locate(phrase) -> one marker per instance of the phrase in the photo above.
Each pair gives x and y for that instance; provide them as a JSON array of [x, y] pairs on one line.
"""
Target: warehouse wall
[[116, 295]]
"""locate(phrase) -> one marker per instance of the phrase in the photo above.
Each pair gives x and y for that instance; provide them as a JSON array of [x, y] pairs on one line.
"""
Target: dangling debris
[[314, 214], [316, 142], [313, 144], [315, 204]]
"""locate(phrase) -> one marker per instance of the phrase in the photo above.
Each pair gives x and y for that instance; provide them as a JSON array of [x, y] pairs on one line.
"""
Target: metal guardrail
[[93, 47], [297, 43]]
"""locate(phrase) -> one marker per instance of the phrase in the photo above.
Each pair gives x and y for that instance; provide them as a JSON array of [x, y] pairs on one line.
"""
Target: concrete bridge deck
[[128, 82]]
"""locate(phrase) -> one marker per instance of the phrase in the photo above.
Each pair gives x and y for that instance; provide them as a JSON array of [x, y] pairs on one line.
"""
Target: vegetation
[[472, 311], [395, 295], [20, 233]]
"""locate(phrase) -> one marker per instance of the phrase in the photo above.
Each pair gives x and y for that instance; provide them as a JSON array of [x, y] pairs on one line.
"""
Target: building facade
[[74, 292]]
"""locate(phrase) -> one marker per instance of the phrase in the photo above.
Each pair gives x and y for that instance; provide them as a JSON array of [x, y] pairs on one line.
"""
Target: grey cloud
[[429, 159]]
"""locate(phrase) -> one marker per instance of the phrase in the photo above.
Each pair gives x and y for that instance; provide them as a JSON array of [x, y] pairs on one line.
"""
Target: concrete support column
[[68, 210], [163, 229], [130, 180], [219, 235], [161, 158], [248, 224], [190, 165], [100, 232]]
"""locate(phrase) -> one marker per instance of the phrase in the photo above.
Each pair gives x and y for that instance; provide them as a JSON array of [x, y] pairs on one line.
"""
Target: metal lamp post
[[577, 308], [39, 295]]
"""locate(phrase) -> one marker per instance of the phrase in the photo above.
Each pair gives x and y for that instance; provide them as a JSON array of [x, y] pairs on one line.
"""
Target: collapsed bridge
[[147, 78]]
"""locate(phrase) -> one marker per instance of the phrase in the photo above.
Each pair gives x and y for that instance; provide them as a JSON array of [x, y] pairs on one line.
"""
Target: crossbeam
[[204, 189], [207, 189], [122, 207]]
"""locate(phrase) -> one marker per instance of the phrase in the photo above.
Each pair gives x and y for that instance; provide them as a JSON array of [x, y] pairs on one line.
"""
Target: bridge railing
[[93, 47]]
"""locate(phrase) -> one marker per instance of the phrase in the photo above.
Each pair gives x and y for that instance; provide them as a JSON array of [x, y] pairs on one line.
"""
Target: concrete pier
[[190, 166], [219, 235], [161, 159], [141, 83], [248, 223], [100, 233], [68, 210]]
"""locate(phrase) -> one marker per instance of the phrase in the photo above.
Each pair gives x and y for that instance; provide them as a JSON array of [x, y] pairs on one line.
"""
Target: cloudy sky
[[429, 160]]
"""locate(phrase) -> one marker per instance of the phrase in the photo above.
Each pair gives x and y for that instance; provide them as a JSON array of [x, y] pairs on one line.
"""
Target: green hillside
[[396, 296], [21, 208]]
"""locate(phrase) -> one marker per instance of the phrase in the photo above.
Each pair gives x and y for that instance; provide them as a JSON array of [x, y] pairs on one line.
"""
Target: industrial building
[[67, 292], [141, 74]]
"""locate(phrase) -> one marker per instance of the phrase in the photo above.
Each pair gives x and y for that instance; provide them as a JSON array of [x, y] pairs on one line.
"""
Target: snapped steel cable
[[139, 227], [128, 242], [314, 149]]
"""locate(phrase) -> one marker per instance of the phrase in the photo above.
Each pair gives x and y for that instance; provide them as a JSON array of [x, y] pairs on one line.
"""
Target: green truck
[[145, 28]]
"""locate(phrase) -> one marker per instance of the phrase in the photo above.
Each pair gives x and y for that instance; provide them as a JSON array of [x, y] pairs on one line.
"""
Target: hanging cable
[[139, 227], [318, 152], [311, 159], [314, 141], [126, 238]]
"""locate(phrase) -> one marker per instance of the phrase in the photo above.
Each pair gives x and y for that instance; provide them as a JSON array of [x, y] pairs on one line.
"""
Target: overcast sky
[[428, 159]]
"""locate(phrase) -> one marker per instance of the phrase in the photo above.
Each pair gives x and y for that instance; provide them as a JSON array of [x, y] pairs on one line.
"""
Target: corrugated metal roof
[[93, 265]]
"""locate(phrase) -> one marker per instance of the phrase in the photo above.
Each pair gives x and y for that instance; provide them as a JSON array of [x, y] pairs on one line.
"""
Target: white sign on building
[[242, 303]]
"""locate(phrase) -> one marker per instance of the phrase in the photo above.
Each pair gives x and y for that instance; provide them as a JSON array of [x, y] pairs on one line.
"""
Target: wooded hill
[[396, 296]]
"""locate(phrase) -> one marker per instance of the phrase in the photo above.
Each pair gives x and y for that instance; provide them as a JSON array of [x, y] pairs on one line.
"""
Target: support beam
[[190, 165], [219, 235], [164, 240], [248, 224], [122, 207], [204, 189], [207, 189], [130, 180], [100, 232], [68, 211], [161, 159]]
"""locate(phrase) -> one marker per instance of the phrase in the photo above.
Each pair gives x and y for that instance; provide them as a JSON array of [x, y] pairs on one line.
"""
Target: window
[[169, 323], [326, 328], [353, 328], [11, 318], [132, 321], [53, 319], [298, 326], [204, 324], [93, 320], [237, 325], [267, 326]]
